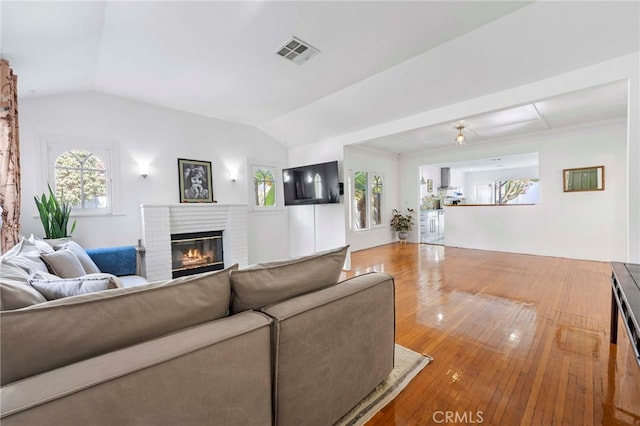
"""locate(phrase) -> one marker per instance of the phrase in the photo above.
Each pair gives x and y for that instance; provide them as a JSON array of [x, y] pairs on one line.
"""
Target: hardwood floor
[[516, 339]]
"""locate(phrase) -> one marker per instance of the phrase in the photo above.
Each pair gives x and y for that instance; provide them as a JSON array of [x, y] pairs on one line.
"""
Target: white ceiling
[[379, 60], [602, 103]]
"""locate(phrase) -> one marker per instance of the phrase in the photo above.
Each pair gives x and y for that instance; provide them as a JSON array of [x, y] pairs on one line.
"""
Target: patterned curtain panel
[[9, 158]]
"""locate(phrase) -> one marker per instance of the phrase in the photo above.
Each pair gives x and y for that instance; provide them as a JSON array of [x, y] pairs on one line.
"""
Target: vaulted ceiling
[[378, 60]]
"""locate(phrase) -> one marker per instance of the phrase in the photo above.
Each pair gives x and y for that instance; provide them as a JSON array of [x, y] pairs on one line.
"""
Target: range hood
[[445, 178]]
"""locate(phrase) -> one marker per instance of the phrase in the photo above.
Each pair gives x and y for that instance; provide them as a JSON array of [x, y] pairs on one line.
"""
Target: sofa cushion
[[16, 295], [41, 245], [87, 263], [53, 287], [267, 283], [64, 331]]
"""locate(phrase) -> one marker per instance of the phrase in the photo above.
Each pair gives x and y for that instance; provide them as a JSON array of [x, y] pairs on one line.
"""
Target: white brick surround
[[160, 221]]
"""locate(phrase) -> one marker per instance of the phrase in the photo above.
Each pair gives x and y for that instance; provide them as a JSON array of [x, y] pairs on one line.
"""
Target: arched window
[[81, 179], [264, 187]]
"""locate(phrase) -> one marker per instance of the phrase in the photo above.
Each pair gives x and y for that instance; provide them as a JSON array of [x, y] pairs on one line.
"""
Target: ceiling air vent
[[297, 51]]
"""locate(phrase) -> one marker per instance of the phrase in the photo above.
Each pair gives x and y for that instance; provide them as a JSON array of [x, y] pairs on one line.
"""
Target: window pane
[[95, 190], [94, 163], [376, 200], [68, 186], [360, 200], [81, 180], [68, 159]]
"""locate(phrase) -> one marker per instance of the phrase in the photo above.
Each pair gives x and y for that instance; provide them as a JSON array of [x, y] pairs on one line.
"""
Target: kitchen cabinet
[[432, 226]]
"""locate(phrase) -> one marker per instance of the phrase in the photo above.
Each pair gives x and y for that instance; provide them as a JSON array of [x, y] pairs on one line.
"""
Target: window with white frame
[[81, 175], [264, 187], [367, 200]]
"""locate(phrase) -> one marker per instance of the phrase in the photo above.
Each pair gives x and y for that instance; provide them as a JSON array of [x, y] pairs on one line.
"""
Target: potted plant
[[54, 215], [402, 224]]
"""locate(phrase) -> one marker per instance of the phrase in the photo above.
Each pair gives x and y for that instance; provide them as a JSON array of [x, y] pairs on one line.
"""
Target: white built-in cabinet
[[432, 226]]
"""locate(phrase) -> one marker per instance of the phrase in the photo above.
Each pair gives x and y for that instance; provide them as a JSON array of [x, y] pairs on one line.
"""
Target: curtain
[[9, 158]]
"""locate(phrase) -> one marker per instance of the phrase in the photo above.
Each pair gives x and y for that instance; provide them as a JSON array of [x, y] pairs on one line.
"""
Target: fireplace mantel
[[159, 221]]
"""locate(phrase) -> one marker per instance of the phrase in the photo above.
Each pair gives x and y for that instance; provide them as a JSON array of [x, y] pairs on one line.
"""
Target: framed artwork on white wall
[[195, 180]]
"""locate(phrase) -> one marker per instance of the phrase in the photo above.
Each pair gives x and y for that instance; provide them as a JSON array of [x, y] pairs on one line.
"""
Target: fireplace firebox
[[195, 252]]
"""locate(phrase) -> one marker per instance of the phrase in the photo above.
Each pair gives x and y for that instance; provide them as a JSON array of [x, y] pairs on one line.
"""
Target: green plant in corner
[[400, 222], [54, 215]]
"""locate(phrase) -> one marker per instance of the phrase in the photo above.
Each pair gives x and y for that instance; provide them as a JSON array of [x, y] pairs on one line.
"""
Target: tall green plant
[[54, 215]]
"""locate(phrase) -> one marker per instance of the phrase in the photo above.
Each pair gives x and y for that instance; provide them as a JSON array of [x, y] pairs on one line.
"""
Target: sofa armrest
[[331, 348], [218, 370], [119, 261]]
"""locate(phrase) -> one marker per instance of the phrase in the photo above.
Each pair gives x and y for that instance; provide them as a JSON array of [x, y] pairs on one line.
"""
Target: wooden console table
[[625, 300]]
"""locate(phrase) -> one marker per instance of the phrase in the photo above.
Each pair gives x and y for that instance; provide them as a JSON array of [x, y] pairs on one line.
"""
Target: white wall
[[359, 159], [586, 225], [157, 135]]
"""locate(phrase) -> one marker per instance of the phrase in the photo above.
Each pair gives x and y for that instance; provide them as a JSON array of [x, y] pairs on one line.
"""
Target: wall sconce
[[233, 175], [143, 169]]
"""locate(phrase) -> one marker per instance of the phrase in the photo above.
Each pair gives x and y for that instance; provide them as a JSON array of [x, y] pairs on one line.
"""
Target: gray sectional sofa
[[282, 343]]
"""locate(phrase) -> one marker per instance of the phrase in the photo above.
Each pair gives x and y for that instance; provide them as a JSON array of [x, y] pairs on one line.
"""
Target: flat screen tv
[[312, 184]]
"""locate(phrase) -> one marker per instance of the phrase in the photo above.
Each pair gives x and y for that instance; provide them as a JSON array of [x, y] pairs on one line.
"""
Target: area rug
[[406, 366]]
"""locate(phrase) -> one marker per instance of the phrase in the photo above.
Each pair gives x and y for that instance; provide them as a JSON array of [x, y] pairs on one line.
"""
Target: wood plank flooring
[[516, 339]]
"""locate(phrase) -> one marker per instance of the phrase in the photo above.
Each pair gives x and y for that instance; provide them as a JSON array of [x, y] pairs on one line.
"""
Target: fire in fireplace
[[195, 252]]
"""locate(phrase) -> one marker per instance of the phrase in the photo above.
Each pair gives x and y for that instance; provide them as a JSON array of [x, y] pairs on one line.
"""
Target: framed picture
[[195, 181], [583, 179]]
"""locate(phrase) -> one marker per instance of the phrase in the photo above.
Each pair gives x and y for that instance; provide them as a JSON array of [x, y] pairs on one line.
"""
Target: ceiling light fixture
[[460, 139]]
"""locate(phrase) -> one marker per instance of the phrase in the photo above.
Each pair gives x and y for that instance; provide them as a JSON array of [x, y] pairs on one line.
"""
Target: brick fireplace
[[160, 222]]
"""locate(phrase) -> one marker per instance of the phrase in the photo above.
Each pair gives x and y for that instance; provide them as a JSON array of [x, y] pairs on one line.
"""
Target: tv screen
[[312, 184]]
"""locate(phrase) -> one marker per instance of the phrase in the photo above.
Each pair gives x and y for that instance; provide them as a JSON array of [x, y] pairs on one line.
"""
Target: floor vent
[[297, 51]]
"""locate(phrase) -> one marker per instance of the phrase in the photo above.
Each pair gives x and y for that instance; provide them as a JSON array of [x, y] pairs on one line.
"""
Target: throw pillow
[[40, 244], [63, 263], [264, 284], [16, 295], [60, 332], [53, 287], [87, 263], [24, 256]]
